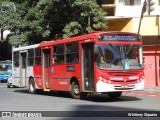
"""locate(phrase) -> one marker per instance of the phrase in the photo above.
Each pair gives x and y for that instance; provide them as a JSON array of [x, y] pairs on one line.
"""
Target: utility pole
[[142, 12]]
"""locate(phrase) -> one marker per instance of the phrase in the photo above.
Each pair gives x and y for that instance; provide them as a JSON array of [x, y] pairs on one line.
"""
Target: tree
[[40, 20]]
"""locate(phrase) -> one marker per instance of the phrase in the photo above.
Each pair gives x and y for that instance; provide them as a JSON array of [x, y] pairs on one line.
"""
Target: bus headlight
[[104, 80], [141, 79]]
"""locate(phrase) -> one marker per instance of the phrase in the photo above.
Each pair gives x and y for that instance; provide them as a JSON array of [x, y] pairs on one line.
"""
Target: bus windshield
[[119, 57]]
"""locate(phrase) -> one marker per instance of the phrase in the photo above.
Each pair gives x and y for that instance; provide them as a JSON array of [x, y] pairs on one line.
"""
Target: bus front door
[[45, 68], [23, 77], [88, 66]]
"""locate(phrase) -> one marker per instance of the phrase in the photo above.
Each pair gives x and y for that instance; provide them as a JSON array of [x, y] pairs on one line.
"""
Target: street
[[19, 99]]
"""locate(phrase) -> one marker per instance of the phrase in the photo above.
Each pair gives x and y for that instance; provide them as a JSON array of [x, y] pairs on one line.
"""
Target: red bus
[[99, 62]]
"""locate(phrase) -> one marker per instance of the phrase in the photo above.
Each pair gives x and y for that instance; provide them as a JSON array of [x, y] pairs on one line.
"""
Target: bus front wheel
[[75, 91], [32, 88], [114, 95]]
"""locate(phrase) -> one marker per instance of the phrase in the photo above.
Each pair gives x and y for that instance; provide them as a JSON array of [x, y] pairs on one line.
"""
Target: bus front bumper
[[105, 87]]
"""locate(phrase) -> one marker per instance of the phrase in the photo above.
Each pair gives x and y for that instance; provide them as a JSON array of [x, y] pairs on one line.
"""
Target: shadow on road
[[105, 98], [90, 97]]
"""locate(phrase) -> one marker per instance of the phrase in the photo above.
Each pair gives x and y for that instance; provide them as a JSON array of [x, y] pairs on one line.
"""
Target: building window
[[129, 2]]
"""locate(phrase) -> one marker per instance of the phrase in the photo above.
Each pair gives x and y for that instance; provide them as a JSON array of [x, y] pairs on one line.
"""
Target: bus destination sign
[[120, 37]]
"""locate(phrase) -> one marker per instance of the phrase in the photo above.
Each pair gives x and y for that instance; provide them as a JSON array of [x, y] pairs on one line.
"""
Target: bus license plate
[[125, 86]]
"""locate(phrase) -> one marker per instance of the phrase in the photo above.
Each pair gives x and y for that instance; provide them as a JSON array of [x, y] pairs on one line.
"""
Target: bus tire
[[32, 88], [114, 95], [75, 90]]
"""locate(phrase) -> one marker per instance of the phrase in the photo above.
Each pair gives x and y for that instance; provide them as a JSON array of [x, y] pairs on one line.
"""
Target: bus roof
[[71, 39], [82, 37], [25, 47]]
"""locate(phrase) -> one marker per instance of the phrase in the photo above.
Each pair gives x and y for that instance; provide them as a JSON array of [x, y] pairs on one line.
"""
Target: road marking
[[3, 86]]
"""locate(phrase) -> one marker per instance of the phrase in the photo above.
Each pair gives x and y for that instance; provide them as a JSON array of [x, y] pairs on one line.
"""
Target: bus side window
[[30, 57], [58, 54], [72, 55], [16, 59], [37, 58], [54, 59]]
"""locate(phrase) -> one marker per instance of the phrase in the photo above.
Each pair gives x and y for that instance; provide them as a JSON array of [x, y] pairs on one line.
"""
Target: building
[[124, 15]]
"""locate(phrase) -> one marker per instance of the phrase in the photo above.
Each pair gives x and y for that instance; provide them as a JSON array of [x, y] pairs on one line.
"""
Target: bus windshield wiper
[[115, 49], [129, 49], [119, 54]]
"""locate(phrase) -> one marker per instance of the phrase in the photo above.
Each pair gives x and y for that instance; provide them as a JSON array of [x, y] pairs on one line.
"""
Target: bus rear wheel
[[75, 91], [114, 95], [32, 88]]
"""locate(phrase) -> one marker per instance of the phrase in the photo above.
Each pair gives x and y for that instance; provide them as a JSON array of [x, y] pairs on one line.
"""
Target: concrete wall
[[152, 65], [150, 25]]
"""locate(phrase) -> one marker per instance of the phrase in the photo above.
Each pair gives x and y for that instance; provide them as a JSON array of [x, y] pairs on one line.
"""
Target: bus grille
[[121, 87], [126, 81], [121, 74]]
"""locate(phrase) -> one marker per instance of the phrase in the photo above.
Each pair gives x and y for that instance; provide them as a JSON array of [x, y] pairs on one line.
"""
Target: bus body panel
[[37, 75], [61, 75], [30, 73], [16, 77]]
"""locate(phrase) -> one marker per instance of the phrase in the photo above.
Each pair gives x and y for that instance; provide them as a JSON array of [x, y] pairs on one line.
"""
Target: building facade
[[124, 15]]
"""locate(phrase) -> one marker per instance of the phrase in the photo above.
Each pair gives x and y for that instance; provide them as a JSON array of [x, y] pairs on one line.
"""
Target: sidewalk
[[152, 89]]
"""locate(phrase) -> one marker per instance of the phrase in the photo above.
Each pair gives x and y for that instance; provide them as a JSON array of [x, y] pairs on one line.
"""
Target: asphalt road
[[19, 99]]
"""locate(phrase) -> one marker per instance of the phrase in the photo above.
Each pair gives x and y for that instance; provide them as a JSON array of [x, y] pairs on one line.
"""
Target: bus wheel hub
[[76, 89]]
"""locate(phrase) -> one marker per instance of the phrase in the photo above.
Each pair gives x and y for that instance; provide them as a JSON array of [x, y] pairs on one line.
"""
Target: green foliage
[[40, 20], [72, 29]]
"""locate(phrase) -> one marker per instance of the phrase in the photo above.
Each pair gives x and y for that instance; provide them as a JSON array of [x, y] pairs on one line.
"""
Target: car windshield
[[5, 67], [119, 57]]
